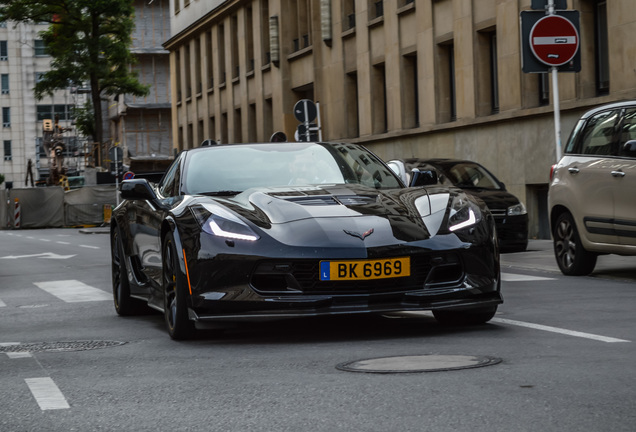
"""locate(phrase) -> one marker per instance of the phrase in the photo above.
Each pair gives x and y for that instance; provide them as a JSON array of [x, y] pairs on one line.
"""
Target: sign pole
[[555, 96], [557, 112], [116, 178]]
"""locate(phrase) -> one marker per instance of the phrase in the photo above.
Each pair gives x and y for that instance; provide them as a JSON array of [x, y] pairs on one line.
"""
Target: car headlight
[[517, 210], [463, 213], [221, 223]]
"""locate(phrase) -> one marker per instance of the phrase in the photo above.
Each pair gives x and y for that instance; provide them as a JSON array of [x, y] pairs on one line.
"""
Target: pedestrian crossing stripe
[[74, 291], [510, 277]]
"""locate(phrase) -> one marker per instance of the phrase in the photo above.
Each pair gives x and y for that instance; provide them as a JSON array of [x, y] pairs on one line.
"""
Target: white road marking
[[61, 242], [16, 355], [47, 394], [45, 240], [403, 314], [558, 330], [89, 247], [2, 304], [510, 277], [73, 291], [48, 255]]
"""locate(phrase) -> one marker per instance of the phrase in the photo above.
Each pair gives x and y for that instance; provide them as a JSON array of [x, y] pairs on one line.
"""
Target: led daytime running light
[[217, 230], [470, 221]]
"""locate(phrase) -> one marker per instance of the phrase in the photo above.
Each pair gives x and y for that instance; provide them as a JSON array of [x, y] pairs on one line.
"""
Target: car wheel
[[124, 304], [465, 317], [175, 307], [572, 258]]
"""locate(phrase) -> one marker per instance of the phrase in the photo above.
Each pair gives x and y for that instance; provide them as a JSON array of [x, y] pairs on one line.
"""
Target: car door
[[587, 177], [624, 177]]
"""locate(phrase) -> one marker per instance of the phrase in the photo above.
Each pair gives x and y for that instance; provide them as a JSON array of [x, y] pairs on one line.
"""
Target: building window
[[209, 57], [411, 114], [39, 48], [601, 48], [447, 104], [376, 9], [221, 46], [267, 55], [301, 26], [234, 48], [4, 51], [4, 83], [48, 112], [348, 14], [39, 76], [544, 88], [352, 106], [6, 117], [494, 75], [7, 150], [378, 89], [188, 77], [197, 65], [249, 39], [177, 61], [268, 119], [177, 6]]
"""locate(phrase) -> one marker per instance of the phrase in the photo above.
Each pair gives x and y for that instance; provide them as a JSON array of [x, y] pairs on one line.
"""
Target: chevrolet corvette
[[279, 230]]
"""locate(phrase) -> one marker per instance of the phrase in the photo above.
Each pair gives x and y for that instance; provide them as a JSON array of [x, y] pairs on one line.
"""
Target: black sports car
[[253, 231]]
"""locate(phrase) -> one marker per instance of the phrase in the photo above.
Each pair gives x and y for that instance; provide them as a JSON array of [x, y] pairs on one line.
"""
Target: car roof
[[615, 105]]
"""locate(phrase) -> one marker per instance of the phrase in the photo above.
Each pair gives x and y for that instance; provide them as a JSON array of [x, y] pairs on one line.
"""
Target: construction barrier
[[16, 214]]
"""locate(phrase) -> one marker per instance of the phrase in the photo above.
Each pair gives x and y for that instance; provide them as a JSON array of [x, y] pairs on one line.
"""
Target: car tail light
[[552, 171]]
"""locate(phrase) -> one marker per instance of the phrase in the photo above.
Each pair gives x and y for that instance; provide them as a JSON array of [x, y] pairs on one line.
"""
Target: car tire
[[174, 293], [125, 305], [466, 316], [571, 256]]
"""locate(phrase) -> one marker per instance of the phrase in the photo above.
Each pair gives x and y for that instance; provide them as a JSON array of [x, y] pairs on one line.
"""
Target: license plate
[[365, 269]]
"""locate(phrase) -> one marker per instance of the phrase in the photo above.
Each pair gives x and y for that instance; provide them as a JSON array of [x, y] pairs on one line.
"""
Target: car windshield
[[231, 169], [470, 175]]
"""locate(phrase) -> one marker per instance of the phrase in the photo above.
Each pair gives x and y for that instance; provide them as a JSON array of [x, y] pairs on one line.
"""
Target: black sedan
[[510, 214], [259, 231]]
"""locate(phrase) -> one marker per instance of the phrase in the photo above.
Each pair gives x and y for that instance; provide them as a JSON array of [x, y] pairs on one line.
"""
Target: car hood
[[408, 214], [494, 199]]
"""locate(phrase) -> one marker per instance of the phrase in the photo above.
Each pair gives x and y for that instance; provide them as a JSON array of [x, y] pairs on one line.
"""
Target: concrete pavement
[[540, 256]]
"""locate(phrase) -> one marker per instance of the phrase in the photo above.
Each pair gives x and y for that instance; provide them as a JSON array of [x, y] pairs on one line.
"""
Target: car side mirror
[[423, 178], [137, 189], [629, 148]]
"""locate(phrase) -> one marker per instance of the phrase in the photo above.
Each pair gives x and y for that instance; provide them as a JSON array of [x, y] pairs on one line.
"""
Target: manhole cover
[[57, 346], [418, 363]]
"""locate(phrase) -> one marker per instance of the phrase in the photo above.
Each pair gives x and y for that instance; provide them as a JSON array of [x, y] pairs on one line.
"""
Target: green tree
[[89, 42]]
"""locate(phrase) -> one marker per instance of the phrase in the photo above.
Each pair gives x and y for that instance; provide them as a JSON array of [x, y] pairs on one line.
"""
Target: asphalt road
[[566, 347]]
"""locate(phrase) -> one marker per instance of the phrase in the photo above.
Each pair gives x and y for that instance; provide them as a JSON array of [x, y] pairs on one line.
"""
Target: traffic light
[[48, 125]]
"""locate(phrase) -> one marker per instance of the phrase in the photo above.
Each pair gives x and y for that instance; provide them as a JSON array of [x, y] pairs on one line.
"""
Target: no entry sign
[[554, 40]]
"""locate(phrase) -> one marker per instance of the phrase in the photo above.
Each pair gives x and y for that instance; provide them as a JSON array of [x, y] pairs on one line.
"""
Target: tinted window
[[628, 133], [241, 167], [599, 135], [169, 185], [471, 175]]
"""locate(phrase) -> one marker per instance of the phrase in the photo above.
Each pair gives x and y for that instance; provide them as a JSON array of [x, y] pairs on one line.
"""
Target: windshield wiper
[[222, 193]]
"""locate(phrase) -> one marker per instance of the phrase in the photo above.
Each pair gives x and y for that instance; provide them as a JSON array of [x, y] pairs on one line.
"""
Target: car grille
[[302, 277], [498, 213]]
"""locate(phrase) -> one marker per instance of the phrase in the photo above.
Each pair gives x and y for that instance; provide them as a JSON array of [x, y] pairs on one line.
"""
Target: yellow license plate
[[365, 269]]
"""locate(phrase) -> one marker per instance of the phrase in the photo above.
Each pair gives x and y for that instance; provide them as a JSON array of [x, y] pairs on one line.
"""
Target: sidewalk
[[540, 256]]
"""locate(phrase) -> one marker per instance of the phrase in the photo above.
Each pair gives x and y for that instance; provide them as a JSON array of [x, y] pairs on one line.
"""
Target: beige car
[[592, 198]]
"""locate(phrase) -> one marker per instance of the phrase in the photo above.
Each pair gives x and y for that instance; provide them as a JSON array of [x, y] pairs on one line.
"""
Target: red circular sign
[[554, 40], [129, 175]]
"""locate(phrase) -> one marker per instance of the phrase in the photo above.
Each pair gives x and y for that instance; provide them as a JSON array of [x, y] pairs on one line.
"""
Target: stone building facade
[[423, 78]]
